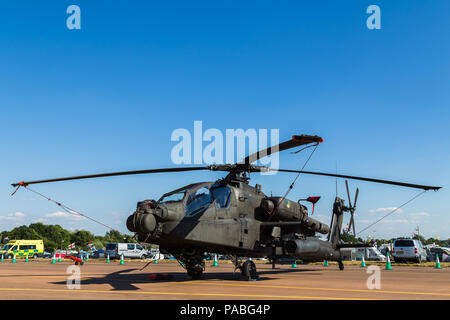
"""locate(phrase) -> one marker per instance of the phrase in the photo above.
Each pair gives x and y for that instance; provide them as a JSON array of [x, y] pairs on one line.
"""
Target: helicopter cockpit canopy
[[199, 200]]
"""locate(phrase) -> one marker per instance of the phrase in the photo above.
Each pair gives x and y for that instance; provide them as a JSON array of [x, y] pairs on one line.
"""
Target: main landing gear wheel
[[194, 265], [341, 265], [248, 270], [195, 272]]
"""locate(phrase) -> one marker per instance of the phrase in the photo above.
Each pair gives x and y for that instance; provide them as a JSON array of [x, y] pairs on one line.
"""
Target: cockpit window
[[174, 197], [201, 199], [198, 202], [222, 196]]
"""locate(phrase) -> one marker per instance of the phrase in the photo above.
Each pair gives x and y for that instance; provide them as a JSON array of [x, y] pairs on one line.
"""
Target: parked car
[[208, 256], [100, 253], [408, 250], [82, 255], [439, 251], [129, 250], [60, 254]]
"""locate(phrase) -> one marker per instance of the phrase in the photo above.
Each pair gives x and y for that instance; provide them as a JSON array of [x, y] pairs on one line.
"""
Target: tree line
[[56, 237]]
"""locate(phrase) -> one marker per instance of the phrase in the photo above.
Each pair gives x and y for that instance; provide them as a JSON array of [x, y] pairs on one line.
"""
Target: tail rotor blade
[[352, 207], [353, 211], [348, 194], [356, 197], [353, 225]]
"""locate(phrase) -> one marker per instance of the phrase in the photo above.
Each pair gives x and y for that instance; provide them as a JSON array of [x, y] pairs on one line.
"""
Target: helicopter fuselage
[[232, 219]]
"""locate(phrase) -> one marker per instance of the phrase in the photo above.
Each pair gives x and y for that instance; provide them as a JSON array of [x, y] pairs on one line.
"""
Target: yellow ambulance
[[22, 248]]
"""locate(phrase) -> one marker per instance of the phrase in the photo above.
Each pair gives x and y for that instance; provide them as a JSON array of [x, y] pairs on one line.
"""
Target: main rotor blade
[[396, 183], [122, 173], [294, 142]]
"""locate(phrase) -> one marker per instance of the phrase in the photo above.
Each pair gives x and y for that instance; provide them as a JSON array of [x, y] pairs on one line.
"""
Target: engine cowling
[[288, 210]]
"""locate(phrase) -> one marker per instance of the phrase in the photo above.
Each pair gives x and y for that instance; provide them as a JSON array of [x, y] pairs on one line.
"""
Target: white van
[[370, 254], [129, 250], [409, 250]]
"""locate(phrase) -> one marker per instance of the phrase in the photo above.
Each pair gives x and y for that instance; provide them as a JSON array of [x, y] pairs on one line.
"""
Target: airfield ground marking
[[180, 293], [263, 286], [46, 276], [311, 288]]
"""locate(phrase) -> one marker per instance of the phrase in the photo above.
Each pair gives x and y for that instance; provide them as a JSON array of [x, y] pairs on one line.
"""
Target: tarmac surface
[[106, 281]]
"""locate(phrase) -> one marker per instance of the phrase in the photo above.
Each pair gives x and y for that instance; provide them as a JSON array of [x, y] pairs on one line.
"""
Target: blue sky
[[107, 98]]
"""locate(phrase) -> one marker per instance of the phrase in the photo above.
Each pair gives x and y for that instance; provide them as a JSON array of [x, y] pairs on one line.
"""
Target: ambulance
[[22, 248]]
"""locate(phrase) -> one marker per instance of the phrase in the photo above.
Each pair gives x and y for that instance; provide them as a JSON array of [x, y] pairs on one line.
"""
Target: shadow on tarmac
[[125, 280]]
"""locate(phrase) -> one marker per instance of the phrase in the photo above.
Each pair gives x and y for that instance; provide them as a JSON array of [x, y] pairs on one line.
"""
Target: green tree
[[54, 236], [81, 238], [349, 238], [23, 232], [98, 244], [420, 238], [114, 236]]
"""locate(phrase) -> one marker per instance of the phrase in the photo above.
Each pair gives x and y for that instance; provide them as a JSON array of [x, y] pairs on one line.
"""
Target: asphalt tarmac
[[168, 280]]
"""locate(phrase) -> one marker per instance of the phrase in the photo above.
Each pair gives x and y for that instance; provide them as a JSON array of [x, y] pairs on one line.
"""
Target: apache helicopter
[[233, 218]]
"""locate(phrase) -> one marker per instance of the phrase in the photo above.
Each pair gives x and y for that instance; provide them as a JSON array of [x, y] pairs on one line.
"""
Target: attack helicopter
[[231, 217]]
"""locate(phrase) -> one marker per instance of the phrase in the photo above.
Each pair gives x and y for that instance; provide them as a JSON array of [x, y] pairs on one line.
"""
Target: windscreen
[[198, 202], [178, 196], [404, 243], [111, 246], [222, 196]]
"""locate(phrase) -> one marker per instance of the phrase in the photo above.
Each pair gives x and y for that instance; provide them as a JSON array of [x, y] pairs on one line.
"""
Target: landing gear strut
[[193, 263], [341, 265]]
